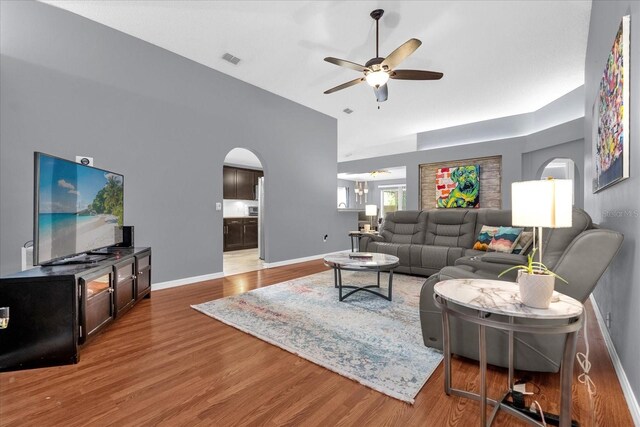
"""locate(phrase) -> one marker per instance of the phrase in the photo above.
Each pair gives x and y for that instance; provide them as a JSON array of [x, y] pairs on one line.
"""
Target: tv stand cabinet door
[[124, 285], [143, 275]]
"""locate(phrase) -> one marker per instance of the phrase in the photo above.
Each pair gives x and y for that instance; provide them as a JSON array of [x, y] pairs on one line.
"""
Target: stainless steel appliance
[[261, 211]]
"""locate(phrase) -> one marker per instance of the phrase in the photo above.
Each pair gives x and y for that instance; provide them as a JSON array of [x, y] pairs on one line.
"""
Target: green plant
[[533, 267]]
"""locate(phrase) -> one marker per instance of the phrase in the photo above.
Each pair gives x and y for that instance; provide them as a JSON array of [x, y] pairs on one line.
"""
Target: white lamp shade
[[544, 203], [371, 210]]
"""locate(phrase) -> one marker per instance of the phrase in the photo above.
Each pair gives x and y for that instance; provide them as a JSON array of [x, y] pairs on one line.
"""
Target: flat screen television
[[77, 209]]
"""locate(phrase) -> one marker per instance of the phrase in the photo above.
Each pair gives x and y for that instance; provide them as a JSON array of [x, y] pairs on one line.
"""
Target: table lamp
[[371, 211], [544, 203]]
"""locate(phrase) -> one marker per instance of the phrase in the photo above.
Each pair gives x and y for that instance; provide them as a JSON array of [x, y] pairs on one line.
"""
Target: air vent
[[230, 58], [348, 110]]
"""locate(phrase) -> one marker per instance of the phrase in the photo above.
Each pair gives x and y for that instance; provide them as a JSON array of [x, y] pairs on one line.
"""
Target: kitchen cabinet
[[240, 184], [240, 233]]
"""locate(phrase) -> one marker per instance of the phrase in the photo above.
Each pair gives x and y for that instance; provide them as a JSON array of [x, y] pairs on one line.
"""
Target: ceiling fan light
[[377, 78]]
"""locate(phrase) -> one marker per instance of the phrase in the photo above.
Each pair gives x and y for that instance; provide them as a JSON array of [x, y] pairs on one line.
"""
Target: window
[[392, 198]]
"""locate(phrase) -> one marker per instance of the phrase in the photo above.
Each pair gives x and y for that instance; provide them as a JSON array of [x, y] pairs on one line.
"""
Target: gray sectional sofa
[[438, 244]]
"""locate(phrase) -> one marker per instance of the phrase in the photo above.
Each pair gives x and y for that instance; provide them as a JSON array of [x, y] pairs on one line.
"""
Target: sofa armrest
[[365, 240], [491, 265], [504, 259]]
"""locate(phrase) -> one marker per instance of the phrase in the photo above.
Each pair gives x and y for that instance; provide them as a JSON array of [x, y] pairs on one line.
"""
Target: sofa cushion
[[434, 257], [404, 227], [451, 227], [401, 250]]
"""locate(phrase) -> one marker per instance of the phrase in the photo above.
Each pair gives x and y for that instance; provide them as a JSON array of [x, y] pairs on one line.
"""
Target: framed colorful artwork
[[611, 114], [458, 187]]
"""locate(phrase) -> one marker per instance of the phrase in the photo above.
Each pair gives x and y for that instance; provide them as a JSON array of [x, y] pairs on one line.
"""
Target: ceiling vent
[[230, 58], [348, 110]]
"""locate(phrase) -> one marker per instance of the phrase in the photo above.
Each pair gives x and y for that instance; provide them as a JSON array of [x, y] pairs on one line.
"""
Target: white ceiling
[[499, 58]]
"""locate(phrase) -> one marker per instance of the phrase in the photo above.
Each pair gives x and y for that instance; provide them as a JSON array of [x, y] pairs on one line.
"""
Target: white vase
[[536, 290]]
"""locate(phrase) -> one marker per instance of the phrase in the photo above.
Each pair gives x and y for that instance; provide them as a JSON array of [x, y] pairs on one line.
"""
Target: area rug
[[365, 338]]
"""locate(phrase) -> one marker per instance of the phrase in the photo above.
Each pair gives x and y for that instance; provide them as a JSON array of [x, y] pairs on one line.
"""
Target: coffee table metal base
[[337, 275]]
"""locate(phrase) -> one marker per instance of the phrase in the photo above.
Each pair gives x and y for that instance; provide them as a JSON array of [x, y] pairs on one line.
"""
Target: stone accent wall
[[490, 181]]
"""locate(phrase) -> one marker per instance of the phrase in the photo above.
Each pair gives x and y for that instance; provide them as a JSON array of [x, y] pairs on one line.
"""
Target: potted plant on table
[[536, 282]]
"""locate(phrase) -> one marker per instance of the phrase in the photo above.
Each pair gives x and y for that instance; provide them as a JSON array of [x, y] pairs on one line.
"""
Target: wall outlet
[[326, 236], [218, 206], [607, 320]]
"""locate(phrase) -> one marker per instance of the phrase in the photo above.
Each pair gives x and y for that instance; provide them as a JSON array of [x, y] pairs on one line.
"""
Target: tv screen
[[78, 208]]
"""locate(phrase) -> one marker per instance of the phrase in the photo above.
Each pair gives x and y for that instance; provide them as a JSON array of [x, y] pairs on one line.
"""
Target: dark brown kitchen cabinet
[[233, 234], [229, 182], [250, 233], [240, 233], [240, 184]]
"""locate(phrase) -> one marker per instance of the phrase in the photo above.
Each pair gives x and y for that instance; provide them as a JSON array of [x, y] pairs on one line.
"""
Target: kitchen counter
[[240, 217]]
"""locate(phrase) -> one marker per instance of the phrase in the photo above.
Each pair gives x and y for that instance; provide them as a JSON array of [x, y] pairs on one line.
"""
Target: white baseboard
[[298, 260], [629, 396], [185, 281], [196, 279]]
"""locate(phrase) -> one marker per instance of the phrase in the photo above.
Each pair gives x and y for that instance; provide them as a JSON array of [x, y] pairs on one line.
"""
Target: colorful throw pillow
[[524, 243], [484, 238], [505, 239]]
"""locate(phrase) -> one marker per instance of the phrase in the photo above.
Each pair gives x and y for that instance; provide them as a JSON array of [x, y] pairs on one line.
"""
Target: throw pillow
[[484, 238], [524, 243], [505, 239]]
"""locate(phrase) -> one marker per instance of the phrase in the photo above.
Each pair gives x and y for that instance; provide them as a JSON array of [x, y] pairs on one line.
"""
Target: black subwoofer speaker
[[127, 237]]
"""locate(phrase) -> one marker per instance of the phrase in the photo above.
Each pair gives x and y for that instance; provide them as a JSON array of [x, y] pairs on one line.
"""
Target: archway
[[563, 168], [243, 214]]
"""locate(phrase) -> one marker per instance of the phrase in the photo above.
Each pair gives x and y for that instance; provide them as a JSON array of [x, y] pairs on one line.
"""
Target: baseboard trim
[[298, 260], [185, 281], [632, 402]]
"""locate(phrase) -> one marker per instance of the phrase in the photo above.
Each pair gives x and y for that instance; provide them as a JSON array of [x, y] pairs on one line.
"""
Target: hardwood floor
[[166, 364]]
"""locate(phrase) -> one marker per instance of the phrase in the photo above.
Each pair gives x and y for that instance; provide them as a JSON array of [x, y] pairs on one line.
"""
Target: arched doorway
[[243, 214], [563, 168]]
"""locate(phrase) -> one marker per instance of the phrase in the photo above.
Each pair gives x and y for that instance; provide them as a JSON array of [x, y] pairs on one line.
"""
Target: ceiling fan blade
[[382, 93], [415, 75], [346, 64], [400, 54], [344, 85]]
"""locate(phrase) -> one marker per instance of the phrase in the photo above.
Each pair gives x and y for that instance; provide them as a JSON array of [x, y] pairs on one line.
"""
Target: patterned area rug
[[366, 338]]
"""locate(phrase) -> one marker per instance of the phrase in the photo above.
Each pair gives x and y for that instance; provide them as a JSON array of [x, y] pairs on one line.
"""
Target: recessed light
[[230, 58], [348, 110]]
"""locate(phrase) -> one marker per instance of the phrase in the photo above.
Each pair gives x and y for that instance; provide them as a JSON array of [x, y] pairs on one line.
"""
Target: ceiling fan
[[377, 71]]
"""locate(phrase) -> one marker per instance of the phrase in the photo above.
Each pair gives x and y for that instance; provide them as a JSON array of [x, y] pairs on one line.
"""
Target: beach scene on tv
[[79, 208]]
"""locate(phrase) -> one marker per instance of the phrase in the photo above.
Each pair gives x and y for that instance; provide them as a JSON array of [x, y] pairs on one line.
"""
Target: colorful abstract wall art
[[458, 187], [611, 114]]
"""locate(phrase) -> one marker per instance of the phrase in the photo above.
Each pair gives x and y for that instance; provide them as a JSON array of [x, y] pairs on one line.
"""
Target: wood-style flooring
[[164, 363]]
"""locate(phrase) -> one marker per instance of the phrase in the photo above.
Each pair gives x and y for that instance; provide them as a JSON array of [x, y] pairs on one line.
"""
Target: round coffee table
[[361, 261]]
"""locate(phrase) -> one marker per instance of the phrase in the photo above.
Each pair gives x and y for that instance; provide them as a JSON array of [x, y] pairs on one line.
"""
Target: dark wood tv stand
[[56, 310]]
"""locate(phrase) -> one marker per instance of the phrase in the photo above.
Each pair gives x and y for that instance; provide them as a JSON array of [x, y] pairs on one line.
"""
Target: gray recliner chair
[[580, 254]]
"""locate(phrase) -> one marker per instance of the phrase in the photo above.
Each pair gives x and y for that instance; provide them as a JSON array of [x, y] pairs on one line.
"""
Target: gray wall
[[617, 207], [72, 87], [511, 149]]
